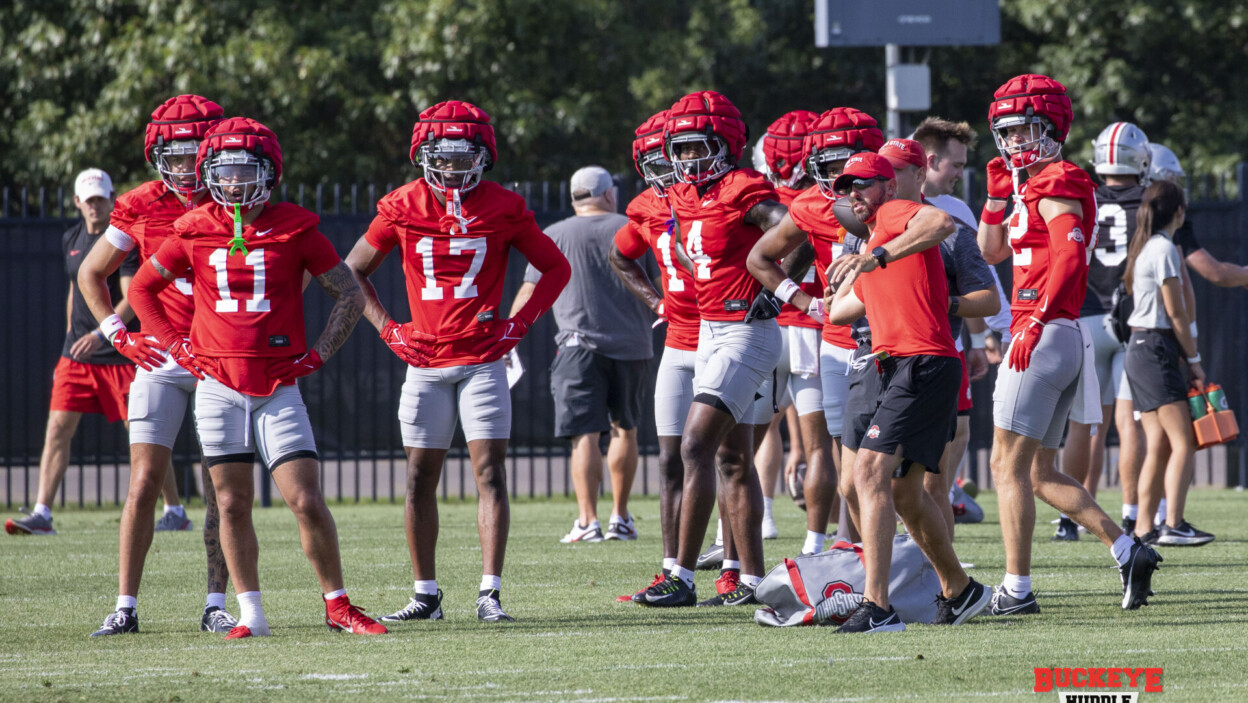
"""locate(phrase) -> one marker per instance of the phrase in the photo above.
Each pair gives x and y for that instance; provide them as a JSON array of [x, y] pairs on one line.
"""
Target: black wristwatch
[[954, 303], [880, 255]]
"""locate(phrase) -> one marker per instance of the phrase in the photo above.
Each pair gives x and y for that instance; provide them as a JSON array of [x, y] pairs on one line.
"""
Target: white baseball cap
[[590, 182], [91, 183]]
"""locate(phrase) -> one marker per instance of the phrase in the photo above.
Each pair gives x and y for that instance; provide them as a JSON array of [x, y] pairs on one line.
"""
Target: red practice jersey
[[650, 226], [248, 307], [908, 301], [455, 267], [1034, 249], [718, 240], [145, 215], [790, 316], [812, 213]]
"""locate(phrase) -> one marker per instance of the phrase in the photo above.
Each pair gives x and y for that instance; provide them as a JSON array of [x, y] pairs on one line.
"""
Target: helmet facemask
[[794, 180], [711, 160], [453, 164], [237, 177], [657, 170], [176, 163], [1038, 147], [824, 165]]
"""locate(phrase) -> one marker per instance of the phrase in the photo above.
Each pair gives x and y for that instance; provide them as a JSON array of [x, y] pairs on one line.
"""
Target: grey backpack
[[825, 588]]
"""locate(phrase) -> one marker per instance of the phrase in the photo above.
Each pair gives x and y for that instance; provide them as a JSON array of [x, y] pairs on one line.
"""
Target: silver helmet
[[1164, 165], [1121, 149]]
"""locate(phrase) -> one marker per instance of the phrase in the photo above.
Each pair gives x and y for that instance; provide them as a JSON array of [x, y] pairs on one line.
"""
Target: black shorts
[[593, 391], [1154, 370], [913, 410], [861, 400]]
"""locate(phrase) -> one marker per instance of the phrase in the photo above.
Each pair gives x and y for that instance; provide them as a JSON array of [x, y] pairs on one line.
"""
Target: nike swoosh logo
[[261, 234], [875, 624], [1007, 611], [75, 252], [959, 611]]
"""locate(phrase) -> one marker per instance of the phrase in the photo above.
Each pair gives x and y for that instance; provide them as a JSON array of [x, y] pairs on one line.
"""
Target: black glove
[[765, 306]]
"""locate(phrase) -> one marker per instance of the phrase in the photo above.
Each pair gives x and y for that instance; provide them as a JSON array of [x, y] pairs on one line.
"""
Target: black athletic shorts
[[1154, 370], [860, 401], [592, 391], [912, 411]]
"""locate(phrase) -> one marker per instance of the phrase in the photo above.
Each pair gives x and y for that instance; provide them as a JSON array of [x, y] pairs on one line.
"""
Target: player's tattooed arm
[[340, 284], [798, 262], [363, 260], [633, 274], [164, 272], [766, 214]]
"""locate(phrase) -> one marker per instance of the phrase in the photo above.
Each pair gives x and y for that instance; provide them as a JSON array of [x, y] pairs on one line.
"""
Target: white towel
[[1088, 392], [803, 351]]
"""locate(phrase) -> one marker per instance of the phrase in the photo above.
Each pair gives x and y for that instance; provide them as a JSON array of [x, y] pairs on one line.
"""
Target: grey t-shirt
[[965, 268], [1158, 260], [595, 307]]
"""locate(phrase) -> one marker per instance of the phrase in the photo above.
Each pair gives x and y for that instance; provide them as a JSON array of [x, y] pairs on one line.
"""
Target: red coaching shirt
[[1038, 256], [790, 316], [908, 301], [718, 241], [812, 213], [144, 217], [650, 226], [455, 266], [248, 307]]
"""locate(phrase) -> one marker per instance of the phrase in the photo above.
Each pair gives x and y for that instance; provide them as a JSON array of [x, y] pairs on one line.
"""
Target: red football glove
[[289, 369], [181, 353], [410, 345], [139, 349], [1023, 344], [513, 330], [1000, 179], [661, 311]]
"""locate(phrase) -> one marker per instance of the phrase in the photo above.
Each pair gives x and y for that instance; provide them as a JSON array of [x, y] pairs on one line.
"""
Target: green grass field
[[572, 641]]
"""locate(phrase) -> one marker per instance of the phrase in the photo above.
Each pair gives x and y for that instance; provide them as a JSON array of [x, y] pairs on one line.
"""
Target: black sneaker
[[743, 595], [422, 606], [1005, 604], [1128, 525], [671, 592], [490, 609], [963, 607], [1185, 535], [869, 617], [121, 622], [1149, 538], [1137, 575], [217, 620], [728, 582], [1067, 531], [711, 559]]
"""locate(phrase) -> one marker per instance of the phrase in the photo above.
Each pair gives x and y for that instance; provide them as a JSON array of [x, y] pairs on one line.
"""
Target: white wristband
[[1193, 359], [786, 290], [111, 326], [816, 311], [979, 339]]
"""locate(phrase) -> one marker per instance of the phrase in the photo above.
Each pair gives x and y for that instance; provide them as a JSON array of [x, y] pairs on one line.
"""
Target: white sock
[[719, 532], [1016, 586], [336, 594], [215, 600], [668, 563], [179, 510], [1121, 549], [41, 510], [730, 565], [814, 542], [622, 520], [1130, 511], [127, 602], [1160, 518], [683, 574], [427, 588], [251, 614], [767, 502], [491, 583], [751, 580]]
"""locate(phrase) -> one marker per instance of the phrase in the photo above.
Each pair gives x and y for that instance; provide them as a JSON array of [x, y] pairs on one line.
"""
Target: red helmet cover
[[454, 119], [1034, 94], [180, 117], [241, 133], [709, 112], [784, 142]]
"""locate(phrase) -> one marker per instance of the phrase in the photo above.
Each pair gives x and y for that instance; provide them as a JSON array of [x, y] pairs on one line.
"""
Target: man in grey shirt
[[602, 365]]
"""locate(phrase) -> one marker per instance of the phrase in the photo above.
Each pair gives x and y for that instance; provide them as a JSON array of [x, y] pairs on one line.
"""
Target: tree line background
[[567, 81]]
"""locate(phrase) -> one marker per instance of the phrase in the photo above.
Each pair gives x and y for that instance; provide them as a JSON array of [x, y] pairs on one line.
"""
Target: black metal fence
[[353, 400]]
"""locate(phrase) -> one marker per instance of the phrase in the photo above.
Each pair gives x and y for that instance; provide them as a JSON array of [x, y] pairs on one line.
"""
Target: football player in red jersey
[[455, 232], [1048, 234], [651, 228], [906, 297], [247, 259], [720, 212], [835, 136], [162, 389]]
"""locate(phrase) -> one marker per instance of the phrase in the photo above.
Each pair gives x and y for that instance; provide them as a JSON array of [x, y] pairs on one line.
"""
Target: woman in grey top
[[1161, 339]]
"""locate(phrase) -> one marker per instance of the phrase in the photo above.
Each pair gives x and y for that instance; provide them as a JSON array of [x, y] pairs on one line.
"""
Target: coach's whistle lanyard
[[238, 243]]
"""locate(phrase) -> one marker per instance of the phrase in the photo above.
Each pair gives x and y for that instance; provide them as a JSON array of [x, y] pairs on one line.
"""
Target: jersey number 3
[[466, 287]]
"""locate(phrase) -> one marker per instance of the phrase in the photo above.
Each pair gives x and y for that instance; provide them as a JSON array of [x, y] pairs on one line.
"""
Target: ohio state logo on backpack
[[839, 602]]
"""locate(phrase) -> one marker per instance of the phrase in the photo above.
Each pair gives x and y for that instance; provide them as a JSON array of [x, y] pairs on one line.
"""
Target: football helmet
[[783, 146], [1038, 103], [649, 157], [708, 129], [240, 162], [175, 129], [835, 136], [1121, 149], [453, 142], [1163, 165]]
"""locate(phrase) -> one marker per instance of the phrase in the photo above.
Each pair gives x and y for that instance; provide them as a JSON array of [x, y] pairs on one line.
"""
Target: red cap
[[864, 164], [904, 152]]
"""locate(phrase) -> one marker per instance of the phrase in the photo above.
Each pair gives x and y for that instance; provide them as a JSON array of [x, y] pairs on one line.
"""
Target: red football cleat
[[341, 615], [658, 578], [727, 582], [238, 632]]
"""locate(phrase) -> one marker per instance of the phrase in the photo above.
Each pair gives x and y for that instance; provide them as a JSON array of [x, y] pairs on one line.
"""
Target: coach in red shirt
[[906, 300]]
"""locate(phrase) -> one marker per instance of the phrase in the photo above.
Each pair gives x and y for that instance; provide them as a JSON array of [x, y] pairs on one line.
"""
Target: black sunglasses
[[860, 184]]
